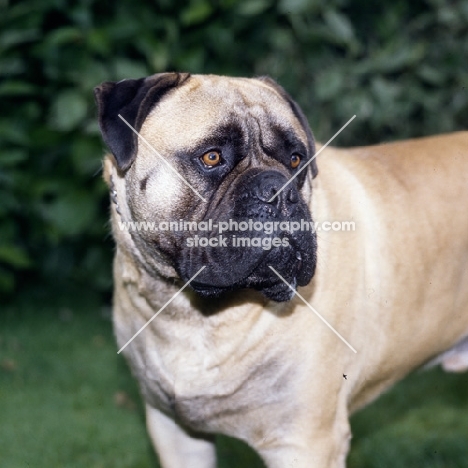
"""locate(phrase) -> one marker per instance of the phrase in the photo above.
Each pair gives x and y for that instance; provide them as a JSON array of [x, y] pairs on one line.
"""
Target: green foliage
[[400, 66]]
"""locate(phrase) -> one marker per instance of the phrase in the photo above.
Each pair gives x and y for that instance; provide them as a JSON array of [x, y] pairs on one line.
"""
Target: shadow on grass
[[67, 400]]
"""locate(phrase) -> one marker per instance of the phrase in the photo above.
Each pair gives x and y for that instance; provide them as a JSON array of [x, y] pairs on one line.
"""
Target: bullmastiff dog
[[236, 351]]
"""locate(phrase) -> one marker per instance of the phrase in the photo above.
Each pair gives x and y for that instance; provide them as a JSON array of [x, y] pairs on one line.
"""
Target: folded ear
[[133, 100], [299, 115]]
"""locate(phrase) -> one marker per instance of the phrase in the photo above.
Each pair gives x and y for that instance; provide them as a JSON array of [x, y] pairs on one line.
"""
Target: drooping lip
[[208, 290], [209, 279], [259, 277]]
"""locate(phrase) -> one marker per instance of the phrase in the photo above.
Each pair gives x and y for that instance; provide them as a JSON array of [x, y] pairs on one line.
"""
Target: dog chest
[[189, 381]]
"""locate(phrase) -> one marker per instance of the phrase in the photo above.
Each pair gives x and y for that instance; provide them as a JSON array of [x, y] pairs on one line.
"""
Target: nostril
[[266, 192], [267, 185], [293, 196]]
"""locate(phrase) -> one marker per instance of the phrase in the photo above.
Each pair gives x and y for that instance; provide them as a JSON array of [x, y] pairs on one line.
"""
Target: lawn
[[67, 400]]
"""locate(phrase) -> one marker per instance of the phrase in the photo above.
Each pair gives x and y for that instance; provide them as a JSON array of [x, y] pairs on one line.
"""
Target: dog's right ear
[[133, 100]]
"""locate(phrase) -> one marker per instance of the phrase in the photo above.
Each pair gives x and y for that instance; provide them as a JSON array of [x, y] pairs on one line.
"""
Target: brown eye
[[295, 161], [211, 158]]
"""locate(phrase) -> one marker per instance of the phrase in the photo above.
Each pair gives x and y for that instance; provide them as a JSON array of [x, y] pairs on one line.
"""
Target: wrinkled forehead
[[188, 114]]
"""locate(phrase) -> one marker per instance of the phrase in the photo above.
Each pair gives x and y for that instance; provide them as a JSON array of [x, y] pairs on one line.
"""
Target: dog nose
[[293, 196], [266, 189], [270, 184]]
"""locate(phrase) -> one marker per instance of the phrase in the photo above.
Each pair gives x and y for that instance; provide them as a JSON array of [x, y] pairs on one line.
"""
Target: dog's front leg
[[323, 452], [175, 446], [322, 445]]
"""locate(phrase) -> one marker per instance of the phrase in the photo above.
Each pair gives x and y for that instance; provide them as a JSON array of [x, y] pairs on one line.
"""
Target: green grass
[[68, 400], [422, 422]]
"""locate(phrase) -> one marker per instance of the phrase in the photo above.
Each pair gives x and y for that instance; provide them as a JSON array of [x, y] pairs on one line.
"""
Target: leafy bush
[[400, 66]]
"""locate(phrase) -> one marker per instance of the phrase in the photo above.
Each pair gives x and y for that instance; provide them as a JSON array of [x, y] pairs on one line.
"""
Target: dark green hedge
[[400, 66]]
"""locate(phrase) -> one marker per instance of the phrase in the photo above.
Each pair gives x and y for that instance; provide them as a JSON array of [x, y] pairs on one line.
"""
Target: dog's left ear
[[133, 100], [299, 115]]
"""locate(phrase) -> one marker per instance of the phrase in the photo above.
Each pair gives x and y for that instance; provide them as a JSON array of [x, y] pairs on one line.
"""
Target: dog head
[[219, 151]]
